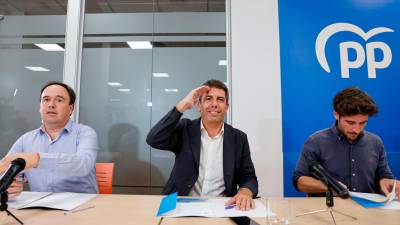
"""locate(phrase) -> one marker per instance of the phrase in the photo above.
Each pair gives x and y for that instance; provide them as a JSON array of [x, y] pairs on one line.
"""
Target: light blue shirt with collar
[[67, 163]]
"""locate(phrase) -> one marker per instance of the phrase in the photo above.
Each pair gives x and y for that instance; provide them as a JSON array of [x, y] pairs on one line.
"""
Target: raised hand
[[192, 98]]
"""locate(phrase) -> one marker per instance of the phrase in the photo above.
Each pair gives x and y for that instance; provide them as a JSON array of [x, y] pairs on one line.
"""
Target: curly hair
[[353, 101]]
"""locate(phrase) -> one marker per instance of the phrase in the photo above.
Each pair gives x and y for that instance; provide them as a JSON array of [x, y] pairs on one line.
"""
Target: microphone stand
[[329, 207], [4, 206]]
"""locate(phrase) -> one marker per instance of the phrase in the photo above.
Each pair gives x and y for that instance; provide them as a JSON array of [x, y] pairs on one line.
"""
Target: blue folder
[[367, 203], [167, 204]]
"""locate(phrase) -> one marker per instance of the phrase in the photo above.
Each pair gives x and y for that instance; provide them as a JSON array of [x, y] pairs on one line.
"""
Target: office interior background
[[131, 61]]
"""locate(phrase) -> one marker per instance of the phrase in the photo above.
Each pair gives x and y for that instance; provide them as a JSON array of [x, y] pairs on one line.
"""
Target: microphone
[[319, 172], [17, 165]]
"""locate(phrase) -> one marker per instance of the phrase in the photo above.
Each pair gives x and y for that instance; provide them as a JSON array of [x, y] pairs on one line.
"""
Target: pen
[[78, 210], [230, 206], [161, 219]]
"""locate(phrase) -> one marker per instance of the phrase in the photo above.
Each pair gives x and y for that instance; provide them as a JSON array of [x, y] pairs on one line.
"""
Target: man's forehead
[[356, 118], [215, 92]]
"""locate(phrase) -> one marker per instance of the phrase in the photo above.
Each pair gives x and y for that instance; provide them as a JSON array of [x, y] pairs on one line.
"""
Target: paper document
[[376, 197], [25, 198], [394, 205], [214, 207], [192, 209], [369, 200], [62, 201]]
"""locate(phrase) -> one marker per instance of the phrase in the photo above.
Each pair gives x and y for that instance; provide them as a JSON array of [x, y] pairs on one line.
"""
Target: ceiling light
[[50, 47], [171, 90], [139, 44], [37, 68], [124, 90], [114, 84], [149, 104], [160, 75], [222, 62]]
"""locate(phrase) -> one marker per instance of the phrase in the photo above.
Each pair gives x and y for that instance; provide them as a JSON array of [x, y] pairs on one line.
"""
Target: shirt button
[[354, 189], [354, 174], [189, 186], [352, 160]]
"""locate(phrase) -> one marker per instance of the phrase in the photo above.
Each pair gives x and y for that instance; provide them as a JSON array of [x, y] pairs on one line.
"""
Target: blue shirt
[[359, 165], [67, 163]]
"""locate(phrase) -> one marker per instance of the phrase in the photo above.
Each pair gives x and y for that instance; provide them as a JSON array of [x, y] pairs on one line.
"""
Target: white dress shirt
[[211, 174]]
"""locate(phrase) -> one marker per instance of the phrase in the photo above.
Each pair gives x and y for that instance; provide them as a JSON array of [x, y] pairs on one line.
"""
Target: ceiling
[[59, 7]]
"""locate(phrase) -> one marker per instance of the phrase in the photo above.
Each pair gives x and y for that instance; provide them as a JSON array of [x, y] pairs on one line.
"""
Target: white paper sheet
[[377, 197], [62, 201], [215, 207], [389, 200], [370, 196], [393, 205], [25, 198], [191, 209]]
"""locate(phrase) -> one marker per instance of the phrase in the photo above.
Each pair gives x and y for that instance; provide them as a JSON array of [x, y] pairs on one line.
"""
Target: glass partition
[[32, 39], [139, 59]]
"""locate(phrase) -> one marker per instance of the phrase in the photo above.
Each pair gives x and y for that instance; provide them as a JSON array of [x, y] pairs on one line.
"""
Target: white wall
[[256, 87]]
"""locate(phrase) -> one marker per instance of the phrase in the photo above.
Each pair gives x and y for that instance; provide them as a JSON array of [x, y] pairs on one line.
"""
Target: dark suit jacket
[[183, 137]]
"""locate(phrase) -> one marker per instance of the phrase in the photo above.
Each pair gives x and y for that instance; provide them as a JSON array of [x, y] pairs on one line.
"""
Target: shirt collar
[[203, 129], [336, 131], [67, 128], [340, 135]]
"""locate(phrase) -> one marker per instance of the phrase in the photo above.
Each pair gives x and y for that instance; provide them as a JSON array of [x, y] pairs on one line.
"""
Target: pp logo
[[361, 54]]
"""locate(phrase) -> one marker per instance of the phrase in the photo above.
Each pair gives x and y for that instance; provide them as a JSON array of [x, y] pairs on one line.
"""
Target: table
[[364, 216], [141, 209], [109, 209]]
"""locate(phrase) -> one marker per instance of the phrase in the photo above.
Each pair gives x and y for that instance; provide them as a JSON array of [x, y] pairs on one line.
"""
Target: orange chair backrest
[[104, 177]]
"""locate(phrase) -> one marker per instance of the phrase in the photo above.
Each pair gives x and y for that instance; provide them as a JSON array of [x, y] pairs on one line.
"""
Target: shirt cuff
[[47, 161]]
